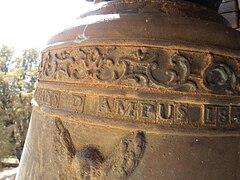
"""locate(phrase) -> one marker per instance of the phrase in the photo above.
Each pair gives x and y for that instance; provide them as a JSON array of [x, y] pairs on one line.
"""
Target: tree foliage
[[17, 78]]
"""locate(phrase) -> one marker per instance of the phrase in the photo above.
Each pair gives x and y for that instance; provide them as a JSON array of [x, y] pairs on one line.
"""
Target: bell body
[[138, 90]]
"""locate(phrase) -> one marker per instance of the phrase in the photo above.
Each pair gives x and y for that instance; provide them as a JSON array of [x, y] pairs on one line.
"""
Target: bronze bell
[[138, 89]]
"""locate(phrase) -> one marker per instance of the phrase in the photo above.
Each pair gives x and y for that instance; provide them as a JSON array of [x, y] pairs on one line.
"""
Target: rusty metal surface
[[140, 91]]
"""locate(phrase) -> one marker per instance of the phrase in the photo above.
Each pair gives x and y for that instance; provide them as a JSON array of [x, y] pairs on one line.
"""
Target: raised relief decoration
[[89, 163], [57, 100], [172, 74], [141, 67], [151, 111], [222, 116], [221, 78], [80, 64]]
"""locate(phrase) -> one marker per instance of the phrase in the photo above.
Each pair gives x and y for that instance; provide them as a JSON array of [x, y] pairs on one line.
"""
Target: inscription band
[[170, 113]]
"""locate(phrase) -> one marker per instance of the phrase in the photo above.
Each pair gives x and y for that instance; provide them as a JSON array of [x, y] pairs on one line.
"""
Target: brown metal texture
[[138, 89]]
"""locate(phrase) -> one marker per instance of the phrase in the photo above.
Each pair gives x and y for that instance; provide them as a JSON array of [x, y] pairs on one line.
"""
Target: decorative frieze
[[143, 67]]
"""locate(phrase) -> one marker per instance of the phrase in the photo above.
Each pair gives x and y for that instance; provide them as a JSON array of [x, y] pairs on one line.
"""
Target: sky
[[30, 23]]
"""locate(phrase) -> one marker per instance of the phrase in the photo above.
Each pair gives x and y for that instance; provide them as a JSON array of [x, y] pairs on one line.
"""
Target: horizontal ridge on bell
[[213, 4]]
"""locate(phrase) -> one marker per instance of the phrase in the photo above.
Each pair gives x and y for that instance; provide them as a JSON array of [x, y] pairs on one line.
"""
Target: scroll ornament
[[140, 67]]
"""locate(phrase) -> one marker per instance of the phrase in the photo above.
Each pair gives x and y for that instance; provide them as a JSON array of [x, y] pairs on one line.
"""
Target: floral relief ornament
[[137, 67], [173, 74], [90, 63], [220, 78], [80, 65]]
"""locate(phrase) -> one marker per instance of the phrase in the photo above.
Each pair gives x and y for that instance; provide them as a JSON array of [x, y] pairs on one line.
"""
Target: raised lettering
[[166, 111], [209, 115], [46, 98], [72, 102], [148, 111], [105, 104], [77, 101], [54, 99], [223, 115], [181, 113], [127, 108]]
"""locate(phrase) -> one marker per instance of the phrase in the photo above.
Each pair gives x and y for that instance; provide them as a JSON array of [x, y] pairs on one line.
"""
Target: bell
[[138, 89]]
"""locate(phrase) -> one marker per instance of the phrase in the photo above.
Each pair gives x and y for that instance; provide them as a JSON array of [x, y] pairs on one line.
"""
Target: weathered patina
[[138, 89]]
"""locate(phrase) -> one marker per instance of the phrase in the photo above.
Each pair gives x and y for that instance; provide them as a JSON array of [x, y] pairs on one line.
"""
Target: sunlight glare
[[30, 23]]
